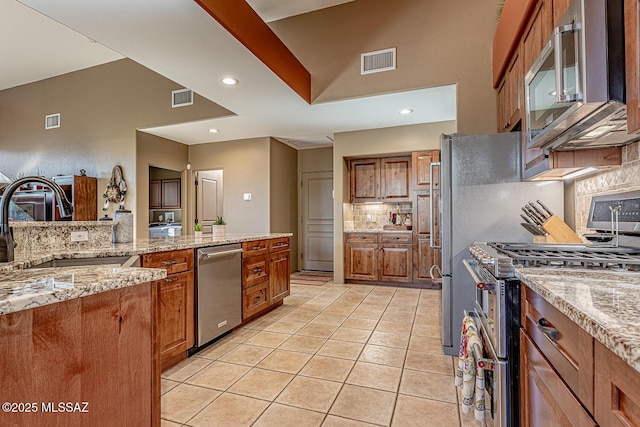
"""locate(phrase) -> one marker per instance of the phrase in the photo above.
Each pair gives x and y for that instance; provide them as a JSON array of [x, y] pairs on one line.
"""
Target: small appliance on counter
[[123, 232]]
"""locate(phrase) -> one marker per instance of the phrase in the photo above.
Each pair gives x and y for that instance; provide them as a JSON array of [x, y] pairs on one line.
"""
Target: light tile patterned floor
[[332, 355]]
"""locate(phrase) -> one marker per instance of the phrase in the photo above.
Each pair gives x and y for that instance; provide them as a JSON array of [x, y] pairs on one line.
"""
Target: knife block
[[559, 231]]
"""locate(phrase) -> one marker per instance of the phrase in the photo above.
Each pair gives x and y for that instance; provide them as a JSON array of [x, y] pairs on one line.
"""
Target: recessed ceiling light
[[230, 81], [214, 130], [406, 111]]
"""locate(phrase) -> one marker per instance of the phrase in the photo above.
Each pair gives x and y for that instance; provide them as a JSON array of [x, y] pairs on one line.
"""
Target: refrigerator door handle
[[432, 244], [435, 268]]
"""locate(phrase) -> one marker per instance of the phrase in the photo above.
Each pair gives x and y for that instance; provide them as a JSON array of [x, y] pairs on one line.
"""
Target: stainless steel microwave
[[575, 90]]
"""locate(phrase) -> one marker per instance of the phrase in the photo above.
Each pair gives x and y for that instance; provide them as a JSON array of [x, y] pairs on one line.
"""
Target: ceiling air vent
[[377, 61], [52, 121], [181, 98]]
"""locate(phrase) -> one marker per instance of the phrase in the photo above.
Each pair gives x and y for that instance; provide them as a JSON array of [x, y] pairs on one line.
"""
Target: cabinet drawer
[[361, 237], [395, 238], [254, 248], [279, 245], [567, 347], [255, 299], [255, 270], [545, 399], [172, 261]]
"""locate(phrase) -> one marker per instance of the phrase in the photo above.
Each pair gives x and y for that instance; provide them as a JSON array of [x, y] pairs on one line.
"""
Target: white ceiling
[[177, 39]]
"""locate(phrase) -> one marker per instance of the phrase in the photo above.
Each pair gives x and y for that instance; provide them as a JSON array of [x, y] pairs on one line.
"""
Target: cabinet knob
[[173, 261]]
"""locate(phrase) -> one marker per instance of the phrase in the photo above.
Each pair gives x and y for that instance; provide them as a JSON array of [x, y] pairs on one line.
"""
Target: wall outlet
[[79, 236]]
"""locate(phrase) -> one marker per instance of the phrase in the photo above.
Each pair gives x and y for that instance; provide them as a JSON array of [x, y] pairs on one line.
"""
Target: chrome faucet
[[6, 236]]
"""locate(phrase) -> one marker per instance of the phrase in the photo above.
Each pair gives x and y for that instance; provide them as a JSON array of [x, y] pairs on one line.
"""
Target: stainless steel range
[[616, 221]]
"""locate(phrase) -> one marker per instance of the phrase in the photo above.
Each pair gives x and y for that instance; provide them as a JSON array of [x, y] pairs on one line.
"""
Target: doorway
[[209, 197], [317, 221]]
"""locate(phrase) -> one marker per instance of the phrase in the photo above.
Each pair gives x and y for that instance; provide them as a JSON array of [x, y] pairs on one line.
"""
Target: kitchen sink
[[122, 261]]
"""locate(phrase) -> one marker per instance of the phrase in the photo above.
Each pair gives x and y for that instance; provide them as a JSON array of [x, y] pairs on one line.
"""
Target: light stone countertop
[[379, 231], [22, 287], [604, 303]]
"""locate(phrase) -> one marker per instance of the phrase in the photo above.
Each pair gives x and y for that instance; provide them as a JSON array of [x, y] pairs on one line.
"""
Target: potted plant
[[198, 231], [218, 228]]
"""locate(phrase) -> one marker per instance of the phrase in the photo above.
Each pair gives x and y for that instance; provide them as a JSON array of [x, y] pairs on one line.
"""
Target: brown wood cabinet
[[632, 61], [98, 349], [386, 179], [165, 194], [265, 275], [82, 191], [176, 299], [423, 256], [384, 257], [421, 168], [510, 95]]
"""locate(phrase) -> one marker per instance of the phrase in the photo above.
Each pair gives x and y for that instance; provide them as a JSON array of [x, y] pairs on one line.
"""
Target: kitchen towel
[[469, 375]]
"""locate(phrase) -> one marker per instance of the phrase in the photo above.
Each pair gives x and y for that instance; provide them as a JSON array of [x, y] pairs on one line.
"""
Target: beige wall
[[245, 165], [315, 160], [101, 108], [153, 150], [438, 42], [373, 142], [283, 191]]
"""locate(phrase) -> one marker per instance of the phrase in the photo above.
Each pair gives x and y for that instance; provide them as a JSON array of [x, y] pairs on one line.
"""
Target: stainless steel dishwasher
[[219, 291]]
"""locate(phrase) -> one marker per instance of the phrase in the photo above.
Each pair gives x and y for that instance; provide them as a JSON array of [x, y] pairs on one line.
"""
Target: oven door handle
[[547, 328], [481, 284]]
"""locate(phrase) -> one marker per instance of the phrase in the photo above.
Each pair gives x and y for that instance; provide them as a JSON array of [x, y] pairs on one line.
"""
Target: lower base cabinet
[[379, 257], [100, 349]]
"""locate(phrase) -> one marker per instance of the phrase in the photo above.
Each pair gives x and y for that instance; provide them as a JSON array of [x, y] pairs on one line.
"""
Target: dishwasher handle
[[204, 256]]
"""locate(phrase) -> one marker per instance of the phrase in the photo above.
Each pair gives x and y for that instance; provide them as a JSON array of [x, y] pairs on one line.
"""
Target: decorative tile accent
[[379, 213]]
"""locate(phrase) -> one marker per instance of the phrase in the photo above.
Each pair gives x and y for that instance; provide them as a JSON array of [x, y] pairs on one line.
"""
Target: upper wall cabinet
[[385, 179], [632, 58], [421, 166], [510, 95], [164, 194]]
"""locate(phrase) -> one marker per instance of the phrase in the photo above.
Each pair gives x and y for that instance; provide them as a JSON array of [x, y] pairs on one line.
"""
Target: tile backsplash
[[372, 216], [620, 179]]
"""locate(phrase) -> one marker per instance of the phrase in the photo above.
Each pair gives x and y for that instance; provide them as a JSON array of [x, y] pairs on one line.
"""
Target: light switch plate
[[247, 196], [79, 236]]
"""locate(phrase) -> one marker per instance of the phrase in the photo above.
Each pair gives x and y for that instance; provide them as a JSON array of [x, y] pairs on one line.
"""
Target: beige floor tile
[[428, 385], [317, 307], [326, 319], [317, 330], [230, 410], [397, 327], [286, 416], [167, 423], [397, 317], [364, 404], [249, 355], [428, 362], [351, 334], [425, 344], [310, 393], [383, 355], [328, 368], [268, 339], [219, 375], [303, 344], [261, 384], [341, 349], [377, 299], [185, 369], [389, 339], [240, 335], [413, 411], [338, 310], [299, 315], [185, 401], [285, 327], [375, 376], [166, 385], [367, 314], [360, 323], [285, 361], [218, 349], [335, 421], [400, 309]]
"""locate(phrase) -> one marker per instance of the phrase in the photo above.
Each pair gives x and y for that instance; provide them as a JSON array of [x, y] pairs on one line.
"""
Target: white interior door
[[209, 196], [317, 221]]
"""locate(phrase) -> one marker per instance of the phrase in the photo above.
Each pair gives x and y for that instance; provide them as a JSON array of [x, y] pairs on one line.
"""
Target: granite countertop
[[379, 231], [603, 303], [22, 287]]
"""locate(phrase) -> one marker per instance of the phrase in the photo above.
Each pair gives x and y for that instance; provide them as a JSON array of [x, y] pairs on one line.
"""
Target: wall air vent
[[181, 98], [377, 61], [52, 121], [303, 144]]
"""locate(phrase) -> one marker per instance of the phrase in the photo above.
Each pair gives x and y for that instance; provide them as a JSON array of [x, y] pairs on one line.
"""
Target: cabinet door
[[423, 260], [279, 276], [395, 263], [361, 261], [255, 299], [365, 180], [176, 317], [559, 9], [544, 398], [514, 82], [632, 60], [420, 165], [536, 34], [171, 194], [255, 270], [395, 179], [155, 194]]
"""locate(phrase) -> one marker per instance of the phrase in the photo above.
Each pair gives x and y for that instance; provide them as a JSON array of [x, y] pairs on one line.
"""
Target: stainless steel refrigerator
[[480, 199]]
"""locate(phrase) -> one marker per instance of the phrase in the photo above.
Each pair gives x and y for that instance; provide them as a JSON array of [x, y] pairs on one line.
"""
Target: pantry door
[[317, 221]]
